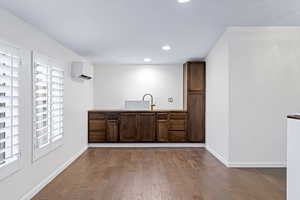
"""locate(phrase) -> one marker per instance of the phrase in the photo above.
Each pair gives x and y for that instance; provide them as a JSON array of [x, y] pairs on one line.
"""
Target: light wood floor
[[161, 174]]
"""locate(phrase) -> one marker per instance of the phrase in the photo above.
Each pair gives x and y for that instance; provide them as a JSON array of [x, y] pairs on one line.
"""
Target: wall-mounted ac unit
[[78, 71]]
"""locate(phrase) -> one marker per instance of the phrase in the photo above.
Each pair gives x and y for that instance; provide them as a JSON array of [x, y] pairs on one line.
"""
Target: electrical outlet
[[170, 100]]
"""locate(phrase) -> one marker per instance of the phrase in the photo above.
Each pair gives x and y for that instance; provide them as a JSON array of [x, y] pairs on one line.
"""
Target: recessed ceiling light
[[147, 59], [166, 48], [183, 1]]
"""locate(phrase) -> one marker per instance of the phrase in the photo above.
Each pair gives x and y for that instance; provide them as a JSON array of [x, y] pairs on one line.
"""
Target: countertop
[[138, 111], [294, 117]]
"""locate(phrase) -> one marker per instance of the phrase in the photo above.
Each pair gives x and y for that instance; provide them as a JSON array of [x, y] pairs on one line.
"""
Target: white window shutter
[[57, 97], [10, 62], [48, 87]]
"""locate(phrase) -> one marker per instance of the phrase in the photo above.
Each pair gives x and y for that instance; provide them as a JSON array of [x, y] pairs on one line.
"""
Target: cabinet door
[[128, 127], [146, 127], [162, 130], [97, 130], [112, 130], [196, 118], [196, 76]]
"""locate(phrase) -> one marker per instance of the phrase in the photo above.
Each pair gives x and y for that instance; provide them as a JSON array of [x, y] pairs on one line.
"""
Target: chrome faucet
[[152, 104]]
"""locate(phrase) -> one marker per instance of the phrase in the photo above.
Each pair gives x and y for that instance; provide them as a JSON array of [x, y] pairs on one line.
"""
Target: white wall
[[263, 77], [293, 161], [113, 84], [28, 38], [217, 100], [264, 71]]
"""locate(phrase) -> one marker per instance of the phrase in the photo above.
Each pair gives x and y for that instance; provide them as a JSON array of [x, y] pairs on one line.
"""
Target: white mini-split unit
[[78, 71]]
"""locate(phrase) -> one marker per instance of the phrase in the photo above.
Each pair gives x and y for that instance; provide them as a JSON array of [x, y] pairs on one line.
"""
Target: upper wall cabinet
[[195, 76]]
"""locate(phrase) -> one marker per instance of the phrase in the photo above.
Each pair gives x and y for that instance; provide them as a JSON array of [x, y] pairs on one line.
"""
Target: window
[[10, 62], [48, 92]]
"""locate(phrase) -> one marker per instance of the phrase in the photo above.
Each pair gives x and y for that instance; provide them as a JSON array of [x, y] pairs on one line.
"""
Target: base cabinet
[[146, 127], [172, 127], [137, 127], [163, 130], [128, 127], [112, 131], [97, 130], [178, 127]]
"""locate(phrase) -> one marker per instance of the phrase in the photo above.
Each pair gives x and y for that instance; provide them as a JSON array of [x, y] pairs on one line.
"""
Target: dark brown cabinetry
[[112, 130], [146, 127], [196, 124], [194, 100], [172, 127], [163, 127], [102, 127], [137, 127], [162, 130], [177, 127], [128, 127], [151, 126], [97, 128], [195, 76]]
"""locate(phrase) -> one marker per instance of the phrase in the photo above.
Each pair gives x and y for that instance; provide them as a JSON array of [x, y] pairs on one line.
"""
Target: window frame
[[50, 64]]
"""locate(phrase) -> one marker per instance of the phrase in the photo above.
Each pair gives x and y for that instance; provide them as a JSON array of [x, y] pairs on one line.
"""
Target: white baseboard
[[146, 145], [244, 165], [217, 155], [47, 180], [256, 165]]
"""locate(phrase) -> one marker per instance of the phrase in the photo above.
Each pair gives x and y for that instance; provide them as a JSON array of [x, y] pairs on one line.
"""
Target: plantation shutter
[[48, 88], [10, 62]]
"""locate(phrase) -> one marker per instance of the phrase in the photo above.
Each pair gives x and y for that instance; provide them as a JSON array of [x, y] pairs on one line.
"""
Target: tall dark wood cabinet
[[194, 100]]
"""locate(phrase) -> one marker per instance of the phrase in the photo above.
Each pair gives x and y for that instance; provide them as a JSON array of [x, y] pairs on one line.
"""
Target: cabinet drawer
[[177, 136], [97, 125], [97, 136], [112, 116], [177, 125], [163, 116], [178, 115], [96, 116]]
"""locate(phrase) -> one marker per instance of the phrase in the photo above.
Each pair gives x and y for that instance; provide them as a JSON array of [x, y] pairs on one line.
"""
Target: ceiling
[[127, 31]]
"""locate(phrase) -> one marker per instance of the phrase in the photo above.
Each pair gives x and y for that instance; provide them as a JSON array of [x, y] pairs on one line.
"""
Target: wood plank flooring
[[161, 174]]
